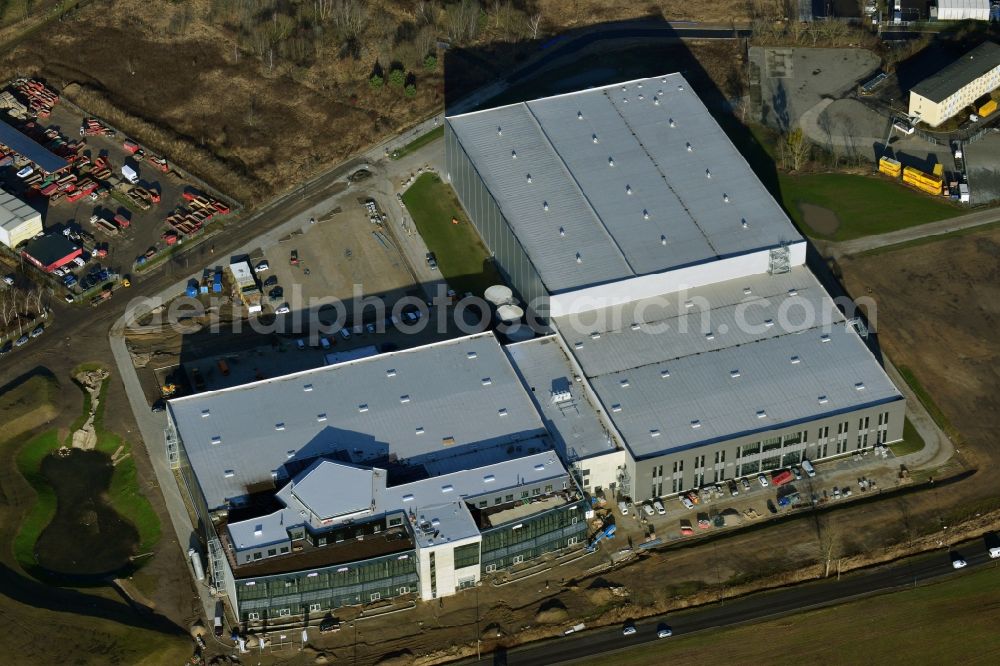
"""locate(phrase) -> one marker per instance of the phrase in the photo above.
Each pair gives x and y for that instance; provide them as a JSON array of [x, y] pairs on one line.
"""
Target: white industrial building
[[963, 10], [952, 90], [684, 313], [686, 344], [19, 222]]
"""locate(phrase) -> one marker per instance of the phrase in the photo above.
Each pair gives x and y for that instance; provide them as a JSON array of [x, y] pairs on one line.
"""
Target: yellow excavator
[[168, 390]]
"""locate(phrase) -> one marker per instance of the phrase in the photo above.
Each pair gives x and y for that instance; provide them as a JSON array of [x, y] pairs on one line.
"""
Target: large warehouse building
[[947, 93], [412, 472], [677, 286], [688, 344]]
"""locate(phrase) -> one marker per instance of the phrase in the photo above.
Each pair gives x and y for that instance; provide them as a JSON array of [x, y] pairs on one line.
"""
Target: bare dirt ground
[[938, 306]]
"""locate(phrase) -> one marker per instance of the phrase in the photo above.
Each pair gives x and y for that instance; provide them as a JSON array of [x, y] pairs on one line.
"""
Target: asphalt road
[[898, 575]]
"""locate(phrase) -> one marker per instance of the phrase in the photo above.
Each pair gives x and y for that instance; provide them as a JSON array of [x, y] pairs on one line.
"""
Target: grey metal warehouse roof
[[424, 406], [977, 62], [24, 145], [667, 388], [573, 420], [625, 180]]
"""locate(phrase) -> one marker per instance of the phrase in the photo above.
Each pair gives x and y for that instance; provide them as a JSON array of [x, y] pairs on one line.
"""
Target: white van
[[623, 507], [808, 469]]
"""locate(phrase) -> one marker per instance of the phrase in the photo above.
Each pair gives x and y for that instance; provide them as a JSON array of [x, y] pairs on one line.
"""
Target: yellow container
[[938, 169], [923, 181], [988, 108], [889, 166]]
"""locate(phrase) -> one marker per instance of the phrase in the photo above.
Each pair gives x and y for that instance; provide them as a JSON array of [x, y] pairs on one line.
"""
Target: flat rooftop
[[945, 83], [30, 149], [732, 359], [566, 405], [624, 180], [423, 406]]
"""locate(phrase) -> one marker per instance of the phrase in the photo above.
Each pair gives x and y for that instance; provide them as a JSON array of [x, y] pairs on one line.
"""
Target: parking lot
[[835, 481], [114, 252]]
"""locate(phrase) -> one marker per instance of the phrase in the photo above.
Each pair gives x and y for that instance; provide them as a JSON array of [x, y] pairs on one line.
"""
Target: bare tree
[[463, 20], [534, 21], [829, 543], [797, 148]]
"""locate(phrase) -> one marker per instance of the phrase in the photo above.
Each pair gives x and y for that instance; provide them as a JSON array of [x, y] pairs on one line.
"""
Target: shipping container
[[923, 181], [988, 108], [890, 167], [939, 170], [779, 478]]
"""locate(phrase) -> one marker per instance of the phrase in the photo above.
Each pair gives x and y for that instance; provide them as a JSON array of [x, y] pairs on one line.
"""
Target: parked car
[[688, 504], [746, 483], [658, 505], [345, 334], [262, 266], [432, 262], [300, 344], [69, 298], [271, 281], [957, 561], [25, 171], [38, 330], [734, 489], [9, 279], [370, 328], [7, 346], [693, 496], [797, 471], [79, 261], [324, 343], [276, 294], [648, 510], [158, 406], [282, 309], [663, 631], [21, 341], [762, 480]]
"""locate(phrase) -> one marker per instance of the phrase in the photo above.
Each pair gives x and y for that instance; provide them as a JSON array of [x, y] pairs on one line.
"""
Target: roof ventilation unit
[[513, 154], [611, 161], [628, 189], [663, 240], [725, 197], [656, 101], [579, 115], [528, 177], [795, 360], [696, 424], [708, 173], [562, 232], [690, 148], [499, 131], [744, 223], [734, 374], [579, 259], [823, 399], [594, 137], [645, 214], [545, 205], [761, 414], [672, 124], [664, 373], [560, 396]]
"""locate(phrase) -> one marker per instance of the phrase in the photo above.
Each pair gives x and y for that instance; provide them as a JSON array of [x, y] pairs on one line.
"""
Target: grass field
[[461, 256], [419, 142], [945, 623], [29, 462], [864, 205], [912, 441]]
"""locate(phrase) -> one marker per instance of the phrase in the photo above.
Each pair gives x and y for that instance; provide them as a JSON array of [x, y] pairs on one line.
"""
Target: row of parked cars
[[692, 497], [23, 340]]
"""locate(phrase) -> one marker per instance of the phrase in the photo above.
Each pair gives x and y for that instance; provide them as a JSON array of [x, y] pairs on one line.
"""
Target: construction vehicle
[[168, 390], [605, 533]]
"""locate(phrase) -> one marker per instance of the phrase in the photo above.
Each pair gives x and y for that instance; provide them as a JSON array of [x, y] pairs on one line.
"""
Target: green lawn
[[912, 441], [944, 623], [864, 205], [123, 493], [29, 463], [419, 142], [461, 256]]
